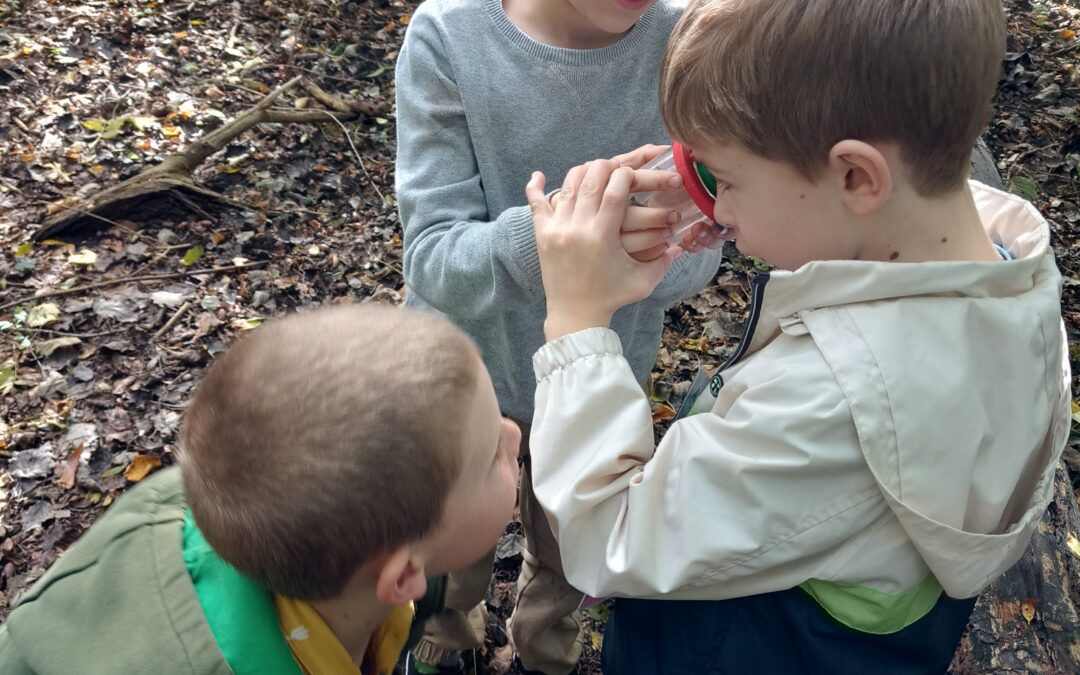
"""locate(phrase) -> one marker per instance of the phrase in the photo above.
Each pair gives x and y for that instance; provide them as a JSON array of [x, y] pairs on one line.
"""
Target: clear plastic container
[[698, 193]]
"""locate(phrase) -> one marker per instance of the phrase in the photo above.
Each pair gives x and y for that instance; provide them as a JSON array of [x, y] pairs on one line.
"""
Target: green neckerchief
[[241, 614]]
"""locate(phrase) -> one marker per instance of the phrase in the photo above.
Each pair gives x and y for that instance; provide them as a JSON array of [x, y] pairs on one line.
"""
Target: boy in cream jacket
[[884, 442]]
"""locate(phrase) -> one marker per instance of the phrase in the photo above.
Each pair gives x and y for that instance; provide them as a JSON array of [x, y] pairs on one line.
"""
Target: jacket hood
[[967, 483]]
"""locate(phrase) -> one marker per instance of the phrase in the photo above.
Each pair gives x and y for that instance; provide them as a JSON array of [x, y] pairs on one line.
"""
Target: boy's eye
[[712, 184]]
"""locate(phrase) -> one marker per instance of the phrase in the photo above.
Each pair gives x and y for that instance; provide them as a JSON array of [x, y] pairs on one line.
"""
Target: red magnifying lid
[[697, 181]]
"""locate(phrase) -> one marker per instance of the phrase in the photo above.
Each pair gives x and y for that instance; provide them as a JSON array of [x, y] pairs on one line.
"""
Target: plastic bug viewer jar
[[694, 202]]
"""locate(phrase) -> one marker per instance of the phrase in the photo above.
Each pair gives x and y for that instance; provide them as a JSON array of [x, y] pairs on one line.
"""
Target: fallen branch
[[124, 280], [338, 104], [168, 186], [172, 321]]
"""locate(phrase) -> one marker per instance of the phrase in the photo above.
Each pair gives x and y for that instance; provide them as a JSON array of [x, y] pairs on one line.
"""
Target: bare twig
[[337, 103], [314, 116], [1067, 48], [78, 335], [359, 159], [172, 321], [309, 71], [124, 280], [197, 151]]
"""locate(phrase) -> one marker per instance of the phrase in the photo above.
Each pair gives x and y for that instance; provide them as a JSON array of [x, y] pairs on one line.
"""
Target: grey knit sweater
[[480, 106]]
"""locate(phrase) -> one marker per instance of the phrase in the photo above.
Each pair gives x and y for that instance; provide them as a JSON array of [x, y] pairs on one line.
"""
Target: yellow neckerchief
[[318, 651]]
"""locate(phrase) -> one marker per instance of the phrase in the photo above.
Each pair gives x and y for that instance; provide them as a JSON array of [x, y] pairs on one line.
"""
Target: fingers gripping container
[[694, 202]]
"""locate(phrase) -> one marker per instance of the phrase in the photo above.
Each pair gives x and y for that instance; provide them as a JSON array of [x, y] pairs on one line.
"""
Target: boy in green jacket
[[323, 479]]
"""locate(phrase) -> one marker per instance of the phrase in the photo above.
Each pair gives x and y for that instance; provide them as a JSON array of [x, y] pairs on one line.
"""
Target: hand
[[647, 230], [586, 272], [635, 159], [704, 235]]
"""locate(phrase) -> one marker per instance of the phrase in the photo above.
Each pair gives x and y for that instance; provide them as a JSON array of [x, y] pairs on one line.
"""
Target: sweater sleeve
[[751, 500], [458, 258]]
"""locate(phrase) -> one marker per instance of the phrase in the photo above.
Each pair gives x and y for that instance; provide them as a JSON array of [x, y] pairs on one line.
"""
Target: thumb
[[534, 193]]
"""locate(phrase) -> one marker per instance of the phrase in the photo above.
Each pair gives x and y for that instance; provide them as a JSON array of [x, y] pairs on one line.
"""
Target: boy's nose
[[721, 213]]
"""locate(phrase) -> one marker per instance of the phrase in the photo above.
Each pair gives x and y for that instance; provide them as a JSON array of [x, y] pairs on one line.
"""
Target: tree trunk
[[1001, 636]]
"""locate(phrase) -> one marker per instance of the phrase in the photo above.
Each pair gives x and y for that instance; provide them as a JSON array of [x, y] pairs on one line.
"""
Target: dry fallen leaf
[[663, 412], [140, 467], [83, 257], [1073, 543], [47, 347], [43, 315], [68, 468], [1028, 609]]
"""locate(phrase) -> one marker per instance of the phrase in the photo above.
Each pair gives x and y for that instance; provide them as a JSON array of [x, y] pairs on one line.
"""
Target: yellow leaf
[[170, 131], [180, 35], [1028, 609], [696, 344], [1067, 33], [597, 640], [192, 256], [97, 125], [246, 324], [1073, 543], [197, 22], [61, 244], [83, 257], [113, 127], [143, 122], [27, 51], [24, 249], [140, 467], [97, 169], [42, 315]]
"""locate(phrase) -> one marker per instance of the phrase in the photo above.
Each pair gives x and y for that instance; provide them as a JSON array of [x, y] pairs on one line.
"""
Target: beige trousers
[[544, 627]]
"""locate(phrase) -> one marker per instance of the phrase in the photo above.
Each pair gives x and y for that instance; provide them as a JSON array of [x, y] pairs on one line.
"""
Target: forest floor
[[96, 366]]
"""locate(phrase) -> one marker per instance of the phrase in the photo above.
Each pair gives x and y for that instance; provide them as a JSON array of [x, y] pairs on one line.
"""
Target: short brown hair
[[325, 438], [788, 79]]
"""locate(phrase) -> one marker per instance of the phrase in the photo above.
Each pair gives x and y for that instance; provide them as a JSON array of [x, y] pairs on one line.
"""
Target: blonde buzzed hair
[[326, 438], [788, 79]]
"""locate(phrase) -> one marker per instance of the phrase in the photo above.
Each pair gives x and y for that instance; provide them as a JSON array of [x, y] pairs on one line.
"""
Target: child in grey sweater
[[487, 93]]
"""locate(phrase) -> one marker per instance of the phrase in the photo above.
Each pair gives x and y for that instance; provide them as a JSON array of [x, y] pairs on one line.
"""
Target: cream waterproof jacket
[[887, 425]]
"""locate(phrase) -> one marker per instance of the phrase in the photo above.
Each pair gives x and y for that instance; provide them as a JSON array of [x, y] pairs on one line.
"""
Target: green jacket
[[121, 599]]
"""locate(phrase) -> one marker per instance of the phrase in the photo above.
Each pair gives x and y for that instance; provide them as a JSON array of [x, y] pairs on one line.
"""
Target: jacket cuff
[[563, 351]]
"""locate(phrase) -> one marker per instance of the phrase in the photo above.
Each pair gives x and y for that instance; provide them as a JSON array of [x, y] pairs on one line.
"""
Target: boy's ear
[[401, 578], [864, 175]]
